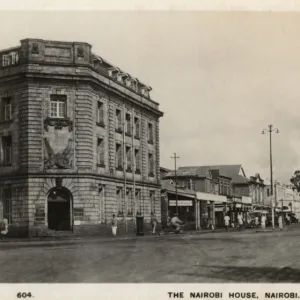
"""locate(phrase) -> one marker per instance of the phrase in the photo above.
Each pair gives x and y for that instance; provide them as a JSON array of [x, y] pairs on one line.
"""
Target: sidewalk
[[69, 240]]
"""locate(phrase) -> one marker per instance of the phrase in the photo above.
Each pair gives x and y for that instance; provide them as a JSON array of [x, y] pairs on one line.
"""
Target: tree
[[295, 180]]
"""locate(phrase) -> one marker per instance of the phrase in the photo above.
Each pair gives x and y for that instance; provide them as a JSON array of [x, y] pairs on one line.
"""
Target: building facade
[[206, 185], [79, 141], [284, 198]]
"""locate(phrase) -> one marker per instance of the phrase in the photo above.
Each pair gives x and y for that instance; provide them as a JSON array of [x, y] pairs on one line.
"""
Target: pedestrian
[[280, 222], [263, 222], [227, 222], [176, 223], [240, 221], [153, 223], [256, 221], [114, 225], [288, 219], [4, 228]]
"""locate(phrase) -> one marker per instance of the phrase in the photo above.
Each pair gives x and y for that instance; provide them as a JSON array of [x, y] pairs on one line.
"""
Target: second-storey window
[[128, 159], [119, 161], [150, 133], [150, 164], [128, 124], [6, 147], [137, 158], [137, 127], [58, 106], [100, 114], [118, 120], [100, 152], [6, 110]]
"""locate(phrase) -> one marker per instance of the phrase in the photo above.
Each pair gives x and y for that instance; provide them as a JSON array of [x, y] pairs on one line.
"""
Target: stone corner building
[[79, 141]]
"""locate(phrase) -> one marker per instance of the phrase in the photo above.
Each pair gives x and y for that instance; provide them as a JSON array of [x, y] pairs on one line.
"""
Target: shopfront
[[213, 208], [239, 205], [186, 204]]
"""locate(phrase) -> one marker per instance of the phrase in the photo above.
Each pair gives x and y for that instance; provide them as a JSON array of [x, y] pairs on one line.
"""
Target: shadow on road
[[249, 274]]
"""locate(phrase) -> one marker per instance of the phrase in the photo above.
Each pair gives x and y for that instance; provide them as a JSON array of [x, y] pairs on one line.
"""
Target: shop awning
[[211, 197], [170, 189]]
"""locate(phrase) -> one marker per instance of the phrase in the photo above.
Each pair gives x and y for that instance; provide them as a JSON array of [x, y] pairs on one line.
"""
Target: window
[[190, 184], [129, 202], [152, 201], [268, 192], [100, 152], [120, 202], [6, 109], [11, 58], [138, 200], [7, 204], [150, 133], [100, 114], [150, 164], [137, 133], [118, 121], [137, 158], [119, 157], [128, 124], [58, 106], [6, 150], [128, 159]]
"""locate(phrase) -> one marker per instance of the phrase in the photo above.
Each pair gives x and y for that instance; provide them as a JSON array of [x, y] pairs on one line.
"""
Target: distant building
[[79, 141], [285, 198]]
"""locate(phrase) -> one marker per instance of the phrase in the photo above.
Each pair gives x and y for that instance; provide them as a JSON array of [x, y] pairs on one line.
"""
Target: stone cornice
[[36, 72]]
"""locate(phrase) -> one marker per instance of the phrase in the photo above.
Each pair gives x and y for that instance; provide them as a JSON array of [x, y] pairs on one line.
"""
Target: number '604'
[[24, 295]]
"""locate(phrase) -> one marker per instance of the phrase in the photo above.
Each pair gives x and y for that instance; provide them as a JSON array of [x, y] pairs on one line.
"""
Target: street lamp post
[[270, 130], [175, 158]]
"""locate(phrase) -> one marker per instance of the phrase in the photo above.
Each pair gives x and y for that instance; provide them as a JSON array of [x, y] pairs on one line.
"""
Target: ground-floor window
[[152, 201], [120, 202], [7, 204]]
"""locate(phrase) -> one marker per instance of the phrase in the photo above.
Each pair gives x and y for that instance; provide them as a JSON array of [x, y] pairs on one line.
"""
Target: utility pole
[[270, 130], [175, 158]]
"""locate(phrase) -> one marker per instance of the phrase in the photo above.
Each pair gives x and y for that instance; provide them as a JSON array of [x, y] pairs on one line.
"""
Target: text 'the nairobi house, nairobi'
[[79, 141]]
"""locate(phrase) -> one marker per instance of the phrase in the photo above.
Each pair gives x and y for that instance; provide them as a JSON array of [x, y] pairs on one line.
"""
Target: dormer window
[[145, 92], [129, 82], [11, 58]]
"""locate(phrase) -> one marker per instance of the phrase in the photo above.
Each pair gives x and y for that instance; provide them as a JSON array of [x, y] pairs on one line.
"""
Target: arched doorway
[[59, 210]]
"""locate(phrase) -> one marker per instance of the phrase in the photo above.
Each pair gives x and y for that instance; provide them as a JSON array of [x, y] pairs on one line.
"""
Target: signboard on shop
[[181, 202]]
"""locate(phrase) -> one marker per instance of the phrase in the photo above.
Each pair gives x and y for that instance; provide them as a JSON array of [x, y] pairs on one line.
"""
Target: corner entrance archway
[[59, 210]]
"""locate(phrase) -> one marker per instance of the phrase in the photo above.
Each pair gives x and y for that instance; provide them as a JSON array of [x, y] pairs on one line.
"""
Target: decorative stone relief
[[35, 48], [58, 123], [80, 51], [60, 160], [58, 148]]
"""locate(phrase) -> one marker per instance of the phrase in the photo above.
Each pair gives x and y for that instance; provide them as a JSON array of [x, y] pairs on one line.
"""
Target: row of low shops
[[198, 209]]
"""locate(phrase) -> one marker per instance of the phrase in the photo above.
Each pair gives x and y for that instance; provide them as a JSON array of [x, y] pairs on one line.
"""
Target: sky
[[219, 77]]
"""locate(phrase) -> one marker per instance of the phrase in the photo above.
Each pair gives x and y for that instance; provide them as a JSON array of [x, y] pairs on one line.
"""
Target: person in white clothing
[[114, 225], [240, 221], [280, 222], [263, 222], [227, 222], [4, 230]]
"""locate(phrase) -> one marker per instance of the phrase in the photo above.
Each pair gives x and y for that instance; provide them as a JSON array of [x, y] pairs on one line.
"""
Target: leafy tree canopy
[[295, 180]]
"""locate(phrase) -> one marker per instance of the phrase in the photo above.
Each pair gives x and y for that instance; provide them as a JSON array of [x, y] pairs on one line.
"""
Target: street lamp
[[175, 158], [271, 130]]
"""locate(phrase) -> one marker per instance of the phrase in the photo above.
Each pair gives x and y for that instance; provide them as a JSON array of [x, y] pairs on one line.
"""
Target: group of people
[[241, 223], [175, 223]]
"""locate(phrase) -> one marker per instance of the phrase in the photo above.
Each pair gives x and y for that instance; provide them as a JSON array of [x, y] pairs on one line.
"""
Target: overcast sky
[[220, 78]]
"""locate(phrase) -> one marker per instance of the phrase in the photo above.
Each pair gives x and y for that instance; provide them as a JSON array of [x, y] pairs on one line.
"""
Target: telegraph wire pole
[[271, 130], [175, 158]]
